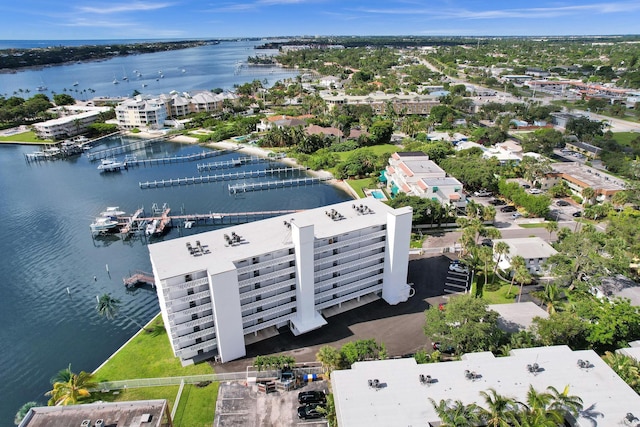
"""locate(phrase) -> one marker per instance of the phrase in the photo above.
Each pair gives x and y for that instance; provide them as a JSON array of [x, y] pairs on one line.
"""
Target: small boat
[[111, 165], [103, 224], [151, 227], [144, 85], [112, 212], [188, 224], [115, 81], [76, 83], [184, 71], [41, 88]]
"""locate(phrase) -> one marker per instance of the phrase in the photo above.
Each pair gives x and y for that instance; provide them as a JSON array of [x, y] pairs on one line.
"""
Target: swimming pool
[[378, 194]]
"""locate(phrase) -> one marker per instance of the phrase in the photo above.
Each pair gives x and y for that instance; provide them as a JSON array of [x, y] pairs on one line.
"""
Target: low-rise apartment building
[[534, 250], [414, 174], [579, 176], [72, 122], [223, 289], [402, 104]]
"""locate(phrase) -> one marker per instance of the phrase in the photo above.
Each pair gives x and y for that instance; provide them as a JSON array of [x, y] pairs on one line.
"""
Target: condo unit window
[[192, 304], [194, 317], [258, 310], [190, 291], [255, 260], [291, 251], [196, 328], [187, 278], [256, 273], [258, 297]]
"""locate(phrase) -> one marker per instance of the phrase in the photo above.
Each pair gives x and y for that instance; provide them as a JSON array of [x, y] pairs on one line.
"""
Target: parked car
[[562, 203], [516, 215], [508, 208], [459, 268], [487, 242], [535, 191], [310, 412], [526, 186], [447, 350], [576, 214], [483, 193], [497, 202], [312, 397]]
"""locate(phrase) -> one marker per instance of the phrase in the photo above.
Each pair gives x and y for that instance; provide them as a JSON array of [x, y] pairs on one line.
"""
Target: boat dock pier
[[218, 177], [139, 278], [122, 149], [133, 161], [268, 185], [236, 162], [133, 223]]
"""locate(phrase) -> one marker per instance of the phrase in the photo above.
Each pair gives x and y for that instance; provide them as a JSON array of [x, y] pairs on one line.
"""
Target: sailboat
[[42, 86], [76, 83], [124, 74], [115, 80]]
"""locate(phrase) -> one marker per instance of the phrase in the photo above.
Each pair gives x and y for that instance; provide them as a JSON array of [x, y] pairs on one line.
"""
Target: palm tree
[[62, 376], [109, 307], [22, 412], [523, 277], [551, 227], [500, 248], [456, 414], [501, 410], [619, 199], [550, 297], [564, 402], [68, 393], [329, 357], [588, 194]]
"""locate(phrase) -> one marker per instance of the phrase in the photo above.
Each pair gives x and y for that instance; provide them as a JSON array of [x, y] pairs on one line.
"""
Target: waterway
[[49, 258], [202, 68]]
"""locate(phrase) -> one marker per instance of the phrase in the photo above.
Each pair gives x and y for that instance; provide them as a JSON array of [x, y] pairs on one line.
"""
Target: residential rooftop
[[401, 399], [590, 177], [113, 414], [529, 247], [172, 258]]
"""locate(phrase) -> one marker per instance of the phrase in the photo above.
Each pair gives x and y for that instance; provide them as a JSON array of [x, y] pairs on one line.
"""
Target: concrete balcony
[[320, 261], [267, 324], [379, 257], [192, 350], [266, 289], [264, 277], [352, 275], [369, 281], [346, 242], [268, 313], [265, 301], [265, 264], [349, 297]]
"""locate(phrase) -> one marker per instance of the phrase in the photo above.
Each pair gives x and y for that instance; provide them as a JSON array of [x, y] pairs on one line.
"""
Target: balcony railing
[[185, 285], [193, 310], [341, 243], [189, 298], [349, 297], [197, 322], [266, 289], [353, 274], [379, 257], [193, 349], [353, 285], [265, 264], [267, 324], [211, 332], [265, 301], [268, 313], [264, 277], [319, 261]]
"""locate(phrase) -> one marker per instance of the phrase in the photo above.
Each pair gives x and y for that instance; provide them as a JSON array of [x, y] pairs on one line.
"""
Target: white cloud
[[124, 7]]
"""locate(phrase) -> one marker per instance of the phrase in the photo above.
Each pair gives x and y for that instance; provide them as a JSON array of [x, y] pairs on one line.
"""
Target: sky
[[161, 19]]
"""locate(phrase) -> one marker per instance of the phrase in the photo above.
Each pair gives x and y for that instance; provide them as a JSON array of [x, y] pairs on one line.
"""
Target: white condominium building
[[141, 112], [414, 174], [224, 289], [70, 125]]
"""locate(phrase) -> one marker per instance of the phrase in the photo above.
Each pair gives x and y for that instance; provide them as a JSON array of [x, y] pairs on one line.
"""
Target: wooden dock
[[132, 161], [139, 278], [236, 162], [202, 179], [128, 148], [268, 185]]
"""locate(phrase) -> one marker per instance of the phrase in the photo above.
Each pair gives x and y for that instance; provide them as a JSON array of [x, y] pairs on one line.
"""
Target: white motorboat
[[111, 165], [113, 212], [103, 224], [151, 227]]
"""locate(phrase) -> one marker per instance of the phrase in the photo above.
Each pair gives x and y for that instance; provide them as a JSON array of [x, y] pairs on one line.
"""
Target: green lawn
[[625, 138], [197, 404], [533, 225], [24, 138], [376, 149], [148, 355], [496, 293], [359, 184]]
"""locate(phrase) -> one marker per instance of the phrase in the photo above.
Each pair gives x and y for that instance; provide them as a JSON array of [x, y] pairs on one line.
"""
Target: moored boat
[[112, 212], [103, 224], [111, 165]]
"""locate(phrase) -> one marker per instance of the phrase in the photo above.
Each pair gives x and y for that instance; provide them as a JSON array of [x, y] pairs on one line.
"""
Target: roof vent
[[99, 422], [85, 423], [584, 364], [534, 369], [426, 379], [375, 384], [334, 215], [232, 240], [362, 209], [471, 375], [145, 418]]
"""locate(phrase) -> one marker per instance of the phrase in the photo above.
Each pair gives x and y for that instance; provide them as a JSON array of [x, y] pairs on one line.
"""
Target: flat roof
[[116, 414], [517, 316], [171, 258], [401, 400], [632, 351], [593, 178], [528, 247]]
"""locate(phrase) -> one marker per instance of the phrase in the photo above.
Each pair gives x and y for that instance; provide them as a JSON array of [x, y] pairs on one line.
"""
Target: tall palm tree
[[62, 376], [500, 248], [523, 277], [550, 297], [109, 307], [551, 227], [588, 194], [456, 414], [70, 392], [501, 410], [564, 402]]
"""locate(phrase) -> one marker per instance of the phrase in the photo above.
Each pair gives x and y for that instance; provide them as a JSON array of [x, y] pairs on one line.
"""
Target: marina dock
[[139, 278], [201, 179], [123, 149], [236, 162], [268, 185]]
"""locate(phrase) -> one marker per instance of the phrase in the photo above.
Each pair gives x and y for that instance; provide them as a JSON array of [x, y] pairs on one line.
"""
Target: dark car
[[497, 202], [310, 412], [311, 397], [562, 203], [487, 242], [577, 214], [526, 186], [509, 208]]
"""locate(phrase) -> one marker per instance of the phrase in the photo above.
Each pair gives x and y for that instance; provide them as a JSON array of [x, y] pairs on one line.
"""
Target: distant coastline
[[18, 59]]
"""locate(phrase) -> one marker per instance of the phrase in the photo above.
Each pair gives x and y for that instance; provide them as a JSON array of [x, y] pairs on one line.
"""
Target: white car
[[535, 191], [516, 215], [458, 268], [483, 193]]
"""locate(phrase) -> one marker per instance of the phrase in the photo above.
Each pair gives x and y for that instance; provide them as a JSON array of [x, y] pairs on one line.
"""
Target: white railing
[[270, 300], [268, 276], [379, 257], [369, 282], [354, 295], [348, 276], [266, 289], [265, 264], [269, 312]]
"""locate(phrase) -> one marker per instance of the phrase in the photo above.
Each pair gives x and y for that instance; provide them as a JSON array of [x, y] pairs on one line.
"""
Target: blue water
[[46, 248], [207, 67]]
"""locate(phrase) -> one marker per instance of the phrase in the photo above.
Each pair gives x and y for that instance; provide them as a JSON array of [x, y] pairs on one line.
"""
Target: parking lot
[[241, 405]]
